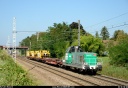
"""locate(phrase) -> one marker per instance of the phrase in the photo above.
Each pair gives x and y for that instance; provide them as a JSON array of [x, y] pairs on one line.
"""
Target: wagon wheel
[[80, 70]]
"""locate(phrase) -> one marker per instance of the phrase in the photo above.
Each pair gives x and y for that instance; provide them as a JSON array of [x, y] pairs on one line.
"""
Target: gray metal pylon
[[14, 39]]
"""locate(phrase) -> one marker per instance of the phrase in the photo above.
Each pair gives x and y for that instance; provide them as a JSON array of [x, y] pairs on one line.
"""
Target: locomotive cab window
[[70, 49], [78, 49], [74, 49]]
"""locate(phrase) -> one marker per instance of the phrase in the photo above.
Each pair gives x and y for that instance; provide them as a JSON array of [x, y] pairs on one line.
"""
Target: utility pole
[[78, 32], [14, 39], [70, 31], [30, 45], [37, 33]]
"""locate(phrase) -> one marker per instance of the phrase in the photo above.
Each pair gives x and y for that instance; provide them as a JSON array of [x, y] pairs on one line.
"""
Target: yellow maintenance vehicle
[[38, 54]]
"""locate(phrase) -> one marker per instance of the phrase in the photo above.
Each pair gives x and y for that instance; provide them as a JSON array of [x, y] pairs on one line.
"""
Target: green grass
[[11, 74], [114, 71]]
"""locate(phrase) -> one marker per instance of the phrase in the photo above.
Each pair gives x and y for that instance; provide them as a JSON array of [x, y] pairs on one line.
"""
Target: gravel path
[[43, 77]]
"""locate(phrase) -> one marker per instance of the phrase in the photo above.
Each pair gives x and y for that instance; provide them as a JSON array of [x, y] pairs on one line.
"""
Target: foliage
[[60, 36], [119, 35], [119, 53], [111, 70], [104, 33], [74, 25], [97, 35], [90, 44], [11, 74]]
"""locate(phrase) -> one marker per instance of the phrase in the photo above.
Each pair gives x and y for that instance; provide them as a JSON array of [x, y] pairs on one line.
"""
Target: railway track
[[74, 79], [83, 80], [112, 80]]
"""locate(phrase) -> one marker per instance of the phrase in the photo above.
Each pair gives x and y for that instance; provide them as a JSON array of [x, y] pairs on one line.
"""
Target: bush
[[119, 53], [11, 74]]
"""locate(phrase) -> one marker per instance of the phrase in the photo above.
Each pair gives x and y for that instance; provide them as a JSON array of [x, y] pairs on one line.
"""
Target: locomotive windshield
[[74, 49], [78, 49]]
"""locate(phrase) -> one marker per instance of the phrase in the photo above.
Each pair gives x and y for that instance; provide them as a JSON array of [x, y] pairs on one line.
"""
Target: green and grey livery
[[84, 61]]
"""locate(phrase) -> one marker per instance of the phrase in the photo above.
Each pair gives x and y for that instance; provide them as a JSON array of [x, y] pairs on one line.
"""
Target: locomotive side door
[[68, 56]]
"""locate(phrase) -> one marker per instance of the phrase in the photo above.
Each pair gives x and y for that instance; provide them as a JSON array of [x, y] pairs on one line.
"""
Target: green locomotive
[[75, 58]]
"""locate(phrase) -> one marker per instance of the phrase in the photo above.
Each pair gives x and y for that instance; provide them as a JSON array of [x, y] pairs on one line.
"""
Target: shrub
[[119, 53], [11, 74]]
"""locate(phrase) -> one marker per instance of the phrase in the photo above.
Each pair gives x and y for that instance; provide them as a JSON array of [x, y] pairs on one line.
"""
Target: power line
[[118, 26], [108, 19], [37, 33], [121, 25], [28, 31], [124, 22]]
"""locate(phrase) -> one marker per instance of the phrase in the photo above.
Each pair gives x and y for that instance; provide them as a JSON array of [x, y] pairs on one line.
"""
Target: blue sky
[[38, 15]]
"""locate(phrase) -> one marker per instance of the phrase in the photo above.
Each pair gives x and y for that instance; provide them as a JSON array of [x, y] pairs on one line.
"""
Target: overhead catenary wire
[[113, 26], [118, 26], [108, 20], [91, 25], [95, 24], [28, 31]]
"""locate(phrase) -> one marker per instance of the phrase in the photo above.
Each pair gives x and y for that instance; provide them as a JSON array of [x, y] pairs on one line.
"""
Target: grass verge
[[12, 74], [114, 71]]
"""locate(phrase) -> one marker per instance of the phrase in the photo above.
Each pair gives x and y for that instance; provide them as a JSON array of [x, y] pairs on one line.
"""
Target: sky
[[38, 15]]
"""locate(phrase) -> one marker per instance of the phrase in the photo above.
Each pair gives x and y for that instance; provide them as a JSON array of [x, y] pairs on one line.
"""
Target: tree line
[[60, 36]]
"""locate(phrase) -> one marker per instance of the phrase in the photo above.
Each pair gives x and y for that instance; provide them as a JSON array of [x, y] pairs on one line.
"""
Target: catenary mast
[[78, 32], [14, 39], [8, 45]]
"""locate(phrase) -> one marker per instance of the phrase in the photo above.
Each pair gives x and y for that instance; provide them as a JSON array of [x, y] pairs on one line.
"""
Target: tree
[[74, 25], [104, 33], [97, 35], [74, 31], [59, 35], [90, 44], [116, 34], [119, 35], [56, 40], [119, 53]]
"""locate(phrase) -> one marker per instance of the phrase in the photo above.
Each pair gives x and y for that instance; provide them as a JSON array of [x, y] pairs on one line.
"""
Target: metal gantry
[[14, 39]]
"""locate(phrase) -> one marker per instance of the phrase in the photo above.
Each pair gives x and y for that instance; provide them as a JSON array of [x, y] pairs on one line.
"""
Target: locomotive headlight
[[99, 63], [85, 63], [63, 60]]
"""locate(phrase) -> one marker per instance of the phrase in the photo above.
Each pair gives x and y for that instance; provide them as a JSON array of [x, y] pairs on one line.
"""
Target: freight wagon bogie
[[54, 61]]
